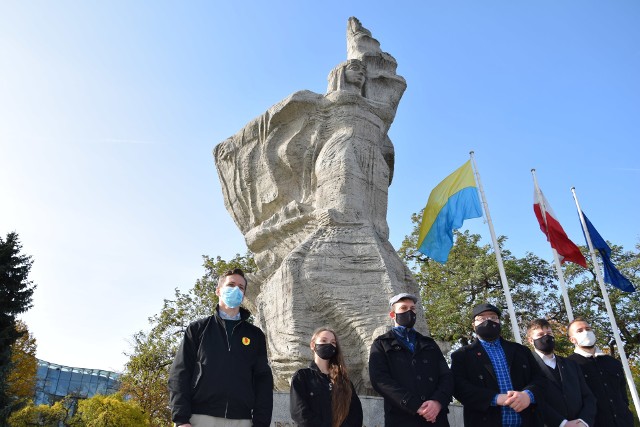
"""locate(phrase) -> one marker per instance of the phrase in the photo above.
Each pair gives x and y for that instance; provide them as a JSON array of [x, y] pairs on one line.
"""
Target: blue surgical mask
[[231, 296]]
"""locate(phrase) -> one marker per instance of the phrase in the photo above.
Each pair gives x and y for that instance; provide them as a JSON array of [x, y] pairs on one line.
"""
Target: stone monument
[[307, 184]]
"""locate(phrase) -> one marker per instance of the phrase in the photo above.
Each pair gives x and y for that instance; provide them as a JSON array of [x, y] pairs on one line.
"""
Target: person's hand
[[185, 425], [575, 423], [517, 400], [500, 400], [429, 410]]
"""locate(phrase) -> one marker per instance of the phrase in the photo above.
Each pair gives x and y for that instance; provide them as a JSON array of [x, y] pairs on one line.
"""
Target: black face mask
[[545, 344], [488, 330], [406, 319], [325, 351]]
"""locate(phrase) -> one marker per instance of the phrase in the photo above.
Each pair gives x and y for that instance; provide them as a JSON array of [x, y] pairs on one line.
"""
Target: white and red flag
[[567, 250]]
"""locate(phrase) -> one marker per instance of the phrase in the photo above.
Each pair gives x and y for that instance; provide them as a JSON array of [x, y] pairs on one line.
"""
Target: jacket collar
[[244, 313], [586, 354], [317, 370], [480, 353], [421, 340]]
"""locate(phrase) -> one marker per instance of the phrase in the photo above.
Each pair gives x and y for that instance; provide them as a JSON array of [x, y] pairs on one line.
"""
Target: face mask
[[488, 330], [406, 319], [325, 351], [231, 296], [545, 344], [586, 339]]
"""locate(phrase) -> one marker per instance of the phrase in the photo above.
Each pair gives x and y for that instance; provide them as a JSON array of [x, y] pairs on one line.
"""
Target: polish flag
[[567, 250]]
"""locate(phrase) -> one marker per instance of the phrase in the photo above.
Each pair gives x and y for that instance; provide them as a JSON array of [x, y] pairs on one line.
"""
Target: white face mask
[[585, 339]]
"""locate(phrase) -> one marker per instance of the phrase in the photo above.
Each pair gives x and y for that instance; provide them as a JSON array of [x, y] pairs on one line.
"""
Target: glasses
[[484, 318]]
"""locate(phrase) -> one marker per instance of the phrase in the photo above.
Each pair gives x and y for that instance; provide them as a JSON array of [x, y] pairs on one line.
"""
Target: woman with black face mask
[[322, 394]]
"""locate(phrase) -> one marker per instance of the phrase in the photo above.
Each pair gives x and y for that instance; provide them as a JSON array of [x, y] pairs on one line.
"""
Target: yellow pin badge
[[246, 341]]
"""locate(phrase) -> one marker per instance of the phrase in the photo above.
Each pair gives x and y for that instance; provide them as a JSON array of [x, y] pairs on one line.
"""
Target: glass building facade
[[54, 382]]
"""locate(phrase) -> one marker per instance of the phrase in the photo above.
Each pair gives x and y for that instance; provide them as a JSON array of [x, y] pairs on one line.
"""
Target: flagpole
[[556, 259], [496, 249], [612, 320]]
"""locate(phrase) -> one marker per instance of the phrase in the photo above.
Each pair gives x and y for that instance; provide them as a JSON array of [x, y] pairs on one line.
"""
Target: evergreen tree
[[16, 292]]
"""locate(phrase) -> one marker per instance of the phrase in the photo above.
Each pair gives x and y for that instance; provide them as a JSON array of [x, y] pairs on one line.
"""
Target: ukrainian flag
[[450, 203]]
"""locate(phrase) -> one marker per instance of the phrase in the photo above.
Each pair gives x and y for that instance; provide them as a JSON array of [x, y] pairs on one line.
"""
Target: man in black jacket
[[567, 400], [497, 381], [409, 371], [604, 376], [221, 376]]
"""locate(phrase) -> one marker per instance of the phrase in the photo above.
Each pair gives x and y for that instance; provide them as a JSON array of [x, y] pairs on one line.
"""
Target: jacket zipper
[[226, 408]]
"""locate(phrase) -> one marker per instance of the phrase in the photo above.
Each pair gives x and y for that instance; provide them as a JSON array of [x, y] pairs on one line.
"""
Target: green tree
[[42, 415], [15, 297], [22, 377], [96, 411], [147, 371], [109, 411], [470, 276]]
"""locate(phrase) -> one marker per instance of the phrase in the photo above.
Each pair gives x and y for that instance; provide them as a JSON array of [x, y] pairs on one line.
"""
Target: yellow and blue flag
[[612, 275], [450, 203]]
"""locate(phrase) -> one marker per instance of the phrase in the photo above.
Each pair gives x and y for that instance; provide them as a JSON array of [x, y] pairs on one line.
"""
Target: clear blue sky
[[109, 112]]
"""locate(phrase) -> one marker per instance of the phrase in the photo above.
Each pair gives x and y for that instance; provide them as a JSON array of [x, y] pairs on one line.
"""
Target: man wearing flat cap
[[497, 381], [409, 371]]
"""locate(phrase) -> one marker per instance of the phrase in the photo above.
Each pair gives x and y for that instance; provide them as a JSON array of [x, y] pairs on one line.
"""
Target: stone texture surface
[[307, 184]]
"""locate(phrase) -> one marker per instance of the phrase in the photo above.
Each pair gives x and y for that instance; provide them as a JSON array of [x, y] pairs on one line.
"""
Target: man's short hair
[[577, 319], [538, 324], [231, 272]]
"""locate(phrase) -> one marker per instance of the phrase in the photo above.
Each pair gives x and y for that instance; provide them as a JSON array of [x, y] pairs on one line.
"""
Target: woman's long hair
[[341, 386]]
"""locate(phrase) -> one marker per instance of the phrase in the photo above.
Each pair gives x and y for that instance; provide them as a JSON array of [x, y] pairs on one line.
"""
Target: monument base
[[372, 408]]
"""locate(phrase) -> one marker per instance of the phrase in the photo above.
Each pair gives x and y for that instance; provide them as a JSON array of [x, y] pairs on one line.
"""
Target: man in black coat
[[221, 375], [498, 381], [567, 400], [409, 371], [604, 376]]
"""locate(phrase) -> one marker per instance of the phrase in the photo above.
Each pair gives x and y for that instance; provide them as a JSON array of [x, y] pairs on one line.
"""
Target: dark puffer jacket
[[227, 378]]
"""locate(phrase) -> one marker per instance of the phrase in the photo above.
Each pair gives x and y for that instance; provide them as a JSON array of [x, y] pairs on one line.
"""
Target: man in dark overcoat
[[497, 381], [567, 400], [409, 371], [604, 376]]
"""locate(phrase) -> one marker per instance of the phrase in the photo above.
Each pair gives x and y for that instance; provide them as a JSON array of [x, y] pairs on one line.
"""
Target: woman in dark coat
[[322, 394]]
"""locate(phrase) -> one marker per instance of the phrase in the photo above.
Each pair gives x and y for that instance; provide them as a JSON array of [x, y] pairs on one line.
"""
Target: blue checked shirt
[[510, 418]]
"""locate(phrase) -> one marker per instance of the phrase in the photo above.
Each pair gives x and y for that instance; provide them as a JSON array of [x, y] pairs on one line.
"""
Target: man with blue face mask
[[409, 371], [221, 376]]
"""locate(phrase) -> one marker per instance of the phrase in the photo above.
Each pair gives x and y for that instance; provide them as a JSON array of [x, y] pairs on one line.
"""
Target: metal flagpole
[[556, 259], [612, 320], [496, 249]]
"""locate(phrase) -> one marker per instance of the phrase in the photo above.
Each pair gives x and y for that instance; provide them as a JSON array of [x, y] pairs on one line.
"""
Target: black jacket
[[405, 380], [212, 375], [310, 400], [568, 399], [476, 383], [605, 377]]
